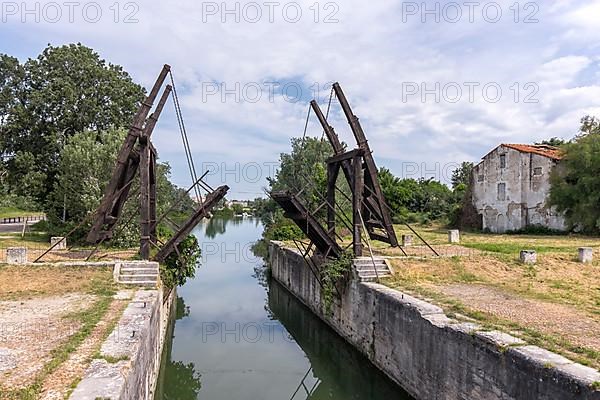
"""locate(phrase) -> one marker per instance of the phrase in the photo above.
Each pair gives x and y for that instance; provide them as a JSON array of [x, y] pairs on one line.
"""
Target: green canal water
[[238, 335]]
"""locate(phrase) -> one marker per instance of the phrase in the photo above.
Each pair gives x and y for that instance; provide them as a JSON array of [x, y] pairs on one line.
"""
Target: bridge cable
[[184, 138]]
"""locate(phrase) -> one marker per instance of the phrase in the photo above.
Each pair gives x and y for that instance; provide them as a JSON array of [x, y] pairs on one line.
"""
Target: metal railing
[[20, 220]]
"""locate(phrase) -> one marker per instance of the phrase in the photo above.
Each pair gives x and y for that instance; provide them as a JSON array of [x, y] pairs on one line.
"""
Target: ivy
[[333, 272], [178, 267]]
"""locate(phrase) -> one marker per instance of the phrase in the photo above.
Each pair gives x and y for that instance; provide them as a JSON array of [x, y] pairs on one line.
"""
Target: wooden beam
[[122, 164], [371, 178], [209, 203], [349, 155]]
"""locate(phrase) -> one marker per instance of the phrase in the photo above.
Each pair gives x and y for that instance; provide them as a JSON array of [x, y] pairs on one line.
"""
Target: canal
[[238, 335]]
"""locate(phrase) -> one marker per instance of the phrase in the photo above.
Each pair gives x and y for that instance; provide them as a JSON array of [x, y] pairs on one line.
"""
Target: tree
[[238, 209], [410, 198], [85, 168], [45, 101], [575, 187], [462, 174], [303, 172], [555, 141], [304, 169]]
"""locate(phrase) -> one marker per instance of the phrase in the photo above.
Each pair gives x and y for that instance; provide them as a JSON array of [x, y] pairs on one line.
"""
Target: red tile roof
[[541, 149]]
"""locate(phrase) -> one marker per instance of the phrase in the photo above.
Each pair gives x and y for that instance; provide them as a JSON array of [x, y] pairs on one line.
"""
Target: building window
[[537, 171], [503, 161], [480, 178], [502, 191]]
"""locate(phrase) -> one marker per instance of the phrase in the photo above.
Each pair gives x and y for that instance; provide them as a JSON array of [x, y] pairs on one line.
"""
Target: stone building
[[511, 185]]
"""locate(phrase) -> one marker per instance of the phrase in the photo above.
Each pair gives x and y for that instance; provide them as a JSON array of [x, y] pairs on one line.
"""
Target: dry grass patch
[[58, 315], [556, 277], [38, 243], [23, 282], [60, 382], [554, 304]]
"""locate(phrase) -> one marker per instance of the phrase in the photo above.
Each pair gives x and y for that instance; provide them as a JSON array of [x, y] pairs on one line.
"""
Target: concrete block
[[586, 255], [528, 256], [453, 236], [61, 246], [407, 240], [16, 255]]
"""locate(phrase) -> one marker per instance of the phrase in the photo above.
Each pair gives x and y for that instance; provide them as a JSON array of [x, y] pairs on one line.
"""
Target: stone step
[[139, 271], [372, 278], [371, 266], [138, 277], [140, 283], [368, 273], [372, 271], [368, 261], [377, 262]]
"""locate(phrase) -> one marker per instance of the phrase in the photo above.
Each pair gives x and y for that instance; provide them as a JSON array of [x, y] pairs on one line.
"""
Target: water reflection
[[218, 226], [239, 336], [337, 371], [183, 379]]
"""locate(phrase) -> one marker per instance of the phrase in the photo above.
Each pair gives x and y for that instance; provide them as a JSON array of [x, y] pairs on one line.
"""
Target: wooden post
[[152, 198], [332, 174], [358, 187], [144, 199]]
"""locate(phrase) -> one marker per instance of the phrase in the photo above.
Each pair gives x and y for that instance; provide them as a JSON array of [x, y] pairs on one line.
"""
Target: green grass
[[515, 248], [12, 212]]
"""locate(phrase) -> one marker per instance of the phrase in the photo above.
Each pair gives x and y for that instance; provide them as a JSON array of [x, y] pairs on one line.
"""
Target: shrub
[[178, 267]]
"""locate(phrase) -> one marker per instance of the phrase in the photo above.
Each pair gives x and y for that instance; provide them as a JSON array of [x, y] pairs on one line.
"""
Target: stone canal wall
[[129, 361], [430, 355]]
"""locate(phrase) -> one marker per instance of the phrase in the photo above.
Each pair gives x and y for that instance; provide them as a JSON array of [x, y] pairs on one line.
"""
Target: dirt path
[[30, 330], [573, 325], [59, 382]]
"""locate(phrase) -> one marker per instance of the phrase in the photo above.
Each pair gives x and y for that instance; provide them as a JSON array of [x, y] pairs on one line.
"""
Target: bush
[[18, 202], [536, 230], [180, 266], [333, 272]]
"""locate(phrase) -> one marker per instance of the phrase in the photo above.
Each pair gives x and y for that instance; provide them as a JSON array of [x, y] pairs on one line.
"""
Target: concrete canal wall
[[430, 355], [129, 361]]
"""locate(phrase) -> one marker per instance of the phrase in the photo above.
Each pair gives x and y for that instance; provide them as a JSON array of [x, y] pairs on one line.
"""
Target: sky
[[433, 83]]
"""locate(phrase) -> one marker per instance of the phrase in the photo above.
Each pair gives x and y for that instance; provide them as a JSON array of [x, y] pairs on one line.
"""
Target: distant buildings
[[511, 186], [236, 203]]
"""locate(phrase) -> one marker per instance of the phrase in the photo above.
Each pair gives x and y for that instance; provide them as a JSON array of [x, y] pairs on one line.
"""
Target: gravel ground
[[574, 325], [30, 330]]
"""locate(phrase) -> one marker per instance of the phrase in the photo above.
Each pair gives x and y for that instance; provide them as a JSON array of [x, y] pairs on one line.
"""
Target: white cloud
[[372, 53]]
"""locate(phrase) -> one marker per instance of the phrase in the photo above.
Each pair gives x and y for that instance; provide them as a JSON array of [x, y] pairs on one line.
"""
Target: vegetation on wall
[[333, 272], [181, 265]]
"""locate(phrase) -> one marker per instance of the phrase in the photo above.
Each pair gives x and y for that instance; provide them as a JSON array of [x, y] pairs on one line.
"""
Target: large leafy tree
[[575, 189], [303, 172], [43, 102], [303, 169], [462, 175]]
